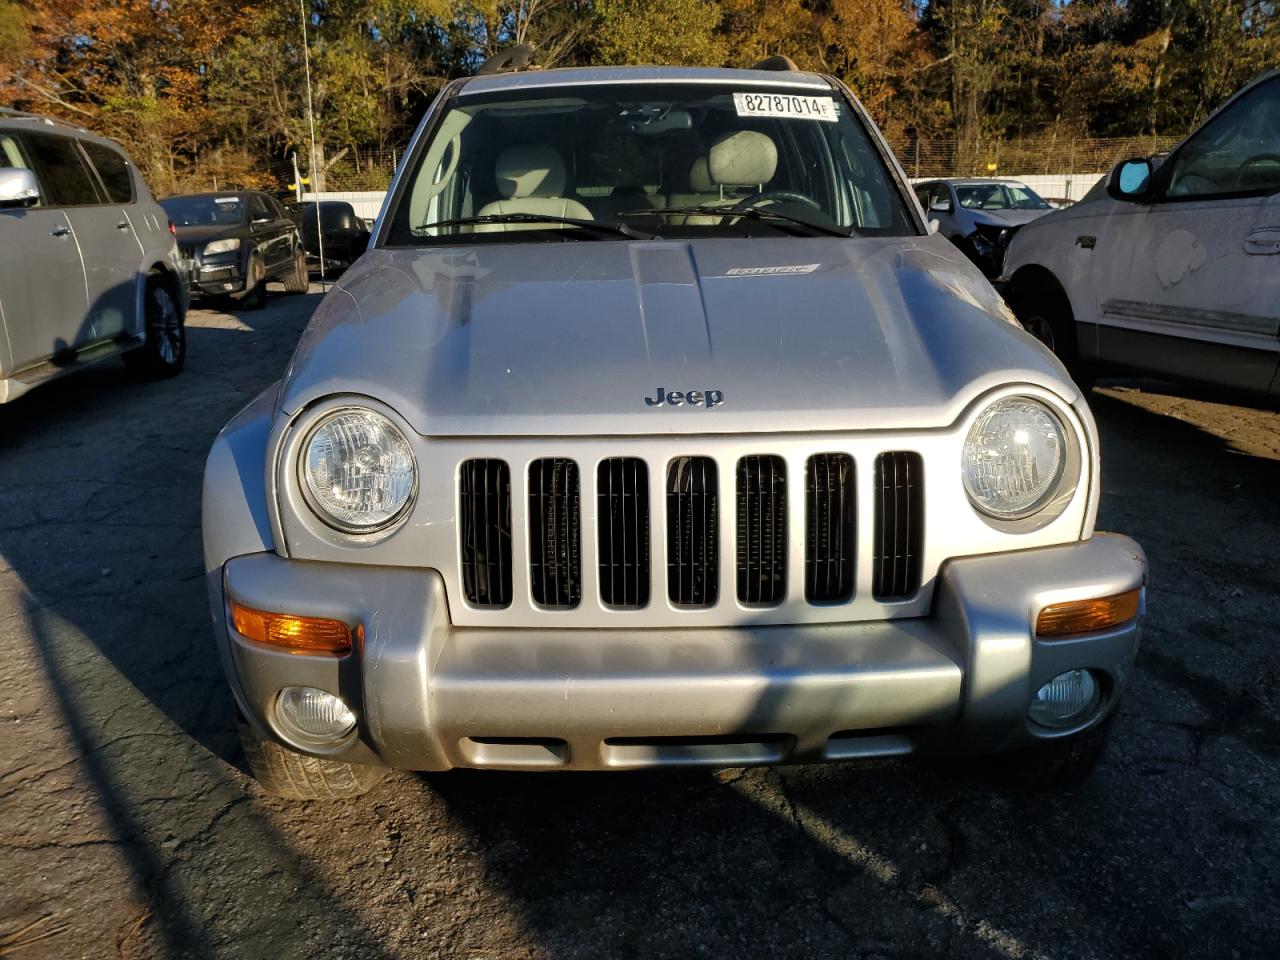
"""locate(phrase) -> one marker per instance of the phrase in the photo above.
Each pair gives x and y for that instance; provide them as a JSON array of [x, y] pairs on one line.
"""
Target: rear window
[[113, 170], [64, 175]]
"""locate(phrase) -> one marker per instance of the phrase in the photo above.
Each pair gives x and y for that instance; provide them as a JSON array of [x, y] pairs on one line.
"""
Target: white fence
[[367, 203]]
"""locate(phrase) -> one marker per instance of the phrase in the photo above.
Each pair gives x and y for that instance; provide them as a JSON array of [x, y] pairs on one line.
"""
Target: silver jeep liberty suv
[[655, 428]]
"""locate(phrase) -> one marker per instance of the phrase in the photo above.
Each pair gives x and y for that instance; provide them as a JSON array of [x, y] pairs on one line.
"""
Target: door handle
[[1086, 242], [1263, 242], [122, 225], [61, 230]]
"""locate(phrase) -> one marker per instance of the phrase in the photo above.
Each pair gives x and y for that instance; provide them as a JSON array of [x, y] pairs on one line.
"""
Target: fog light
[[1066, 700], [309, 715]]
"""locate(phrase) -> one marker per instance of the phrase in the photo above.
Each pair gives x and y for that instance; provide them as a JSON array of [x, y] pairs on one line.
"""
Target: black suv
[[232, 243]]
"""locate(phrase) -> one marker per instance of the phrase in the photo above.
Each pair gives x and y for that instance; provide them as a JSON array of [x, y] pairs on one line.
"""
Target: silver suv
[[88, 264], [653, 429]]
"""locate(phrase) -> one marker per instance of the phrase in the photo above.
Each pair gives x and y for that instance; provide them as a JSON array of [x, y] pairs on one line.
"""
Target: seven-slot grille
[[762, 530], [693, 530], [622, 517], [829, 528], [899, 534], [484, 489], [693, 570], [555, 564]]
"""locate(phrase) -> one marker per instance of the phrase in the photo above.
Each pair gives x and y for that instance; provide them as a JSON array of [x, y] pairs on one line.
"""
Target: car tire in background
[[164, 349], [1042, 308], [297, 280], [255, 293], [296, 776]]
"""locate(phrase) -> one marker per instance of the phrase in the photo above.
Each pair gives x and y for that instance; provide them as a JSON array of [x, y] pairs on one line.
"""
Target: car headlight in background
[[1014, 458], [221, 246], [357, 470]]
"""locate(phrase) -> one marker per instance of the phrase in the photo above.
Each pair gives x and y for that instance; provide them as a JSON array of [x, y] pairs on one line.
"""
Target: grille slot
[[899, 534], [762, 530], [829, 528], [555, 560], [622, 500], [485, 512], [693, 568]]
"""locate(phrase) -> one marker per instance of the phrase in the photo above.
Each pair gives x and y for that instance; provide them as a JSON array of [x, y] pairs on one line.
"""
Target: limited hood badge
[[677, 398]]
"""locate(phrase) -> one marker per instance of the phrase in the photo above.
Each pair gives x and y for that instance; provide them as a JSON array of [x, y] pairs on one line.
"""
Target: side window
[[277, 210], [1238, 152], [258, 209], [112, 169], [63, 172]]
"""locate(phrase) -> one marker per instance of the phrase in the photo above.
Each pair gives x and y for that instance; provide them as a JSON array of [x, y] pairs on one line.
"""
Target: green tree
[[659, 32]]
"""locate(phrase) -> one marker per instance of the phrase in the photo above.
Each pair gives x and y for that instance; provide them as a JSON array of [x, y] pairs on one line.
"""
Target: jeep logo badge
[[695, 398]]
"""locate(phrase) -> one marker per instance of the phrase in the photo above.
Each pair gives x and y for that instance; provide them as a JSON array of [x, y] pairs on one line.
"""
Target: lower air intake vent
[[693, 568], [762, 530], [485, 516], [829, 528], [622, 504], [899, 535], [555, 565]]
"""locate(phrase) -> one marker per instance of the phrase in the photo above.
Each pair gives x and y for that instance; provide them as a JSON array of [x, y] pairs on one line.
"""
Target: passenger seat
[[531, 179]]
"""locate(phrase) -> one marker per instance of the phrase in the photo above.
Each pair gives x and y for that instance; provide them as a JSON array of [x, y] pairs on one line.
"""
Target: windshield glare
[[629, 152], [204, 211], [999, 196]]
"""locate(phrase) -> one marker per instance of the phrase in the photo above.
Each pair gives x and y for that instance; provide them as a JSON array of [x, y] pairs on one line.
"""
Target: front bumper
[[220, 276], [431, 696]]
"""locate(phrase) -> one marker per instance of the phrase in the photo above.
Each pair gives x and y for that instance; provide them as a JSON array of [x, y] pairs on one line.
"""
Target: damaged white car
[[1170, 267]]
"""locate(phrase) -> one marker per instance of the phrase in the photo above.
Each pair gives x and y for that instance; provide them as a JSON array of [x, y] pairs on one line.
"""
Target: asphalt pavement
[[128, 829]]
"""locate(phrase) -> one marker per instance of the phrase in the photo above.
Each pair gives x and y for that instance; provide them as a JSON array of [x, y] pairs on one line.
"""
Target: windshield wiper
[[596, 226], [765, 215]]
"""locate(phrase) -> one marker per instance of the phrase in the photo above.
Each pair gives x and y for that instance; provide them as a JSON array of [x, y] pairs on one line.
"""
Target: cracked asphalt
[[127, 828]]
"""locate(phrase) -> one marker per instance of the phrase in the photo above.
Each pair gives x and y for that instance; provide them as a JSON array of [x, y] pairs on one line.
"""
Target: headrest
[[746, 156], [529, 170], [700, 177]]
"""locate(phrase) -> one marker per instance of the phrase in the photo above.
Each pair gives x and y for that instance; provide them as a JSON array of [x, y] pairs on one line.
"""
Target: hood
[[578, 338], [194, 236], [1008, 218]]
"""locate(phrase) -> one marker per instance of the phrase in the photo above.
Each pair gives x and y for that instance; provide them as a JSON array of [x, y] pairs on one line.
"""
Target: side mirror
[[934, 226], [18, 188], [940, 206], [1131, 180]]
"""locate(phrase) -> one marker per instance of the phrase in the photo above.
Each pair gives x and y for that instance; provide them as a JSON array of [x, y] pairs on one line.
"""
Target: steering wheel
[[776, 196], [1252, 161]]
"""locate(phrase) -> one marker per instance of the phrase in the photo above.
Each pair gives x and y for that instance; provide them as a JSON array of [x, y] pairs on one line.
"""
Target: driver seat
[[738, 165], [531, 179]]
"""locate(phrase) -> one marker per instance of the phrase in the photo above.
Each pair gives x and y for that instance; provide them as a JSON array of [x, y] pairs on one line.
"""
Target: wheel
[[1055, 764], [1045, 313], [295, 776], [296, 280], [164, 349], [255, 295]]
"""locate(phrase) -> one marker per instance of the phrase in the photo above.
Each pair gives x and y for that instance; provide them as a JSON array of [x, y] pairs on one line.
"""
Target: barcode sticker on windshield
[[785, 105]]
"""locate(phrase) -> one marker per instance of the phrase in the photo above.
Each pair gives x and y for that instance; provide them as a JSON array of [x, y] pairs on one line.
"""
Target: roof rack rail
[[777, 62], [510, 60], [40, 118]]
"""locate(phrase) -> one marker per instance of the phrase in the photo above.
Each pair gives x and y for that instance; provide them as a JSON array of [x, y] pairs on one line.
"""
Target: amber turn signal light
[[293, 633], [1086, 616]]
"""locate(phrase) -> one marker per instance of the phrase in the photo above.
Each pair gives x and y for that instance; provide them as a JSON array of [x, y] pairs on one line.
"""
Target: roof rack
[[510, 60], [777, 62], [40, 118]]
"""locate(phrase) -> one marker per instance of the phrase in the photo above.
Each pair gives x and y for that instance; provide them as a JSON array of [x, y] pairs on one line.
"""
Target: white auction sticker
[[785, 105]]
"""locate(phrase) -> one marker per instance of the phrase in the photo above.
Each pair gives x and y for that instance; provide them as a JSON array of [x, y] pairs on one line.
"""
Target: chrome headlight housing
[[1015, 458], [222, 246], [357, 470]]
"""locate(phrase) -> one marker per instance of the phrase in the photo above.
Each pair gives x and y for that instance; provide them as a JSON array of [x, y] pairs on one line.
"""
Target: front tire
[[295, 776], [255, 296], [1045, 313], [297, 280], [164, 349], [1055, 764]]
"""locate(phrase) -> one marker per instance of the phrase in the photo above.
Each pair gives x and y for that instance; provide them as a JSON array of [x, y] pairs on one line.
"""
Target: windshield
[[204, 211], [647, 155], [999, 196]]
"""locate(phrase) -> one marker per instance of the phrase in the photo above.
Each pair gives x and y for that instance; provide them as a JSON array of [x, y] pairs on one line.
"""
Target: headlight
[[221, 246], [1014, 458], [357, 470]]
